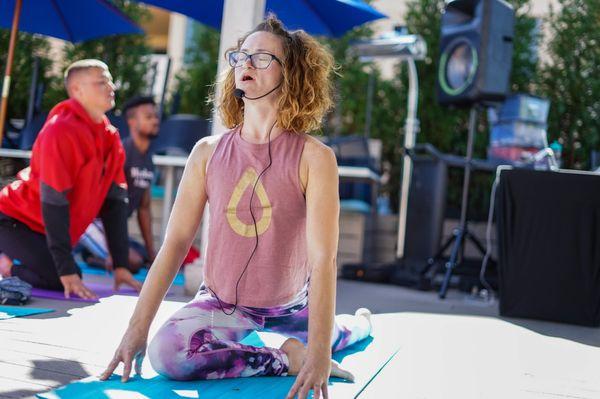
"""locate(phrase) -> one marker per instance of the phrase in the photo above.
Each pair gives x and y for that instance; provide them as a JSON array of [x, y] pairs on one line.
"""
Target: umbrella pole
[[9, 60]]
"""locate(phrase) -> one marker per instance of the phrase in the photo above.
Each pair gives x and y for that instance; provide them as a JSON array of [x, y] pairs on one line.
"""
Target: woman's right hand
[[131, 350]]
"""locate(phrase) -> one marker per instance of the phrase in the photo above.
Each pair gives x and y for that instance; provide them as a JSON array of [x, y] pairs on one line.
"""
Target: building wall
[[157, 29], [167, 35]]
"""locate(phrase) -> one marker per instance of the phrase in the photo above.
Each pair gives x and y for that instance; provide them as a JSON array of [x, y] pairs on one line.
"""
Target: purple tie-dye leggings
[[200, 342]]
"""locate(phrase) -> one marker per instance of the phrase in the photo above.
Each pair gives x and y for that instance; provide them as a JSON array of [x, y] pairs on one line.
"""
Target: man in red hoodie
[[76, 174]]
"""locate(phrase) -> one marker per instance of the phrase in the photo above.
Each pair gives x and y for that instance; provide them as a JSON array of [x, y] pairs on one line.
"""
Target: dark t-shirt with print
[[139, 171]]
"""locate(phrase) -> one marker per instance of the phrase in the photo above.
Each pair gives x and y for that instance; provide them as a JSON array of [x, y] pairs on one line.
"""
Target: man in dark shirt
[[76, 174], [142, 120]]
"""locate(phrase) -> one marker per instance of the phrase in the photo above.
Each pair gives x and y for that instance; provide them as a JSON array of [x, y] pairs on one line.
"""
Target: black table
[[549, 245]]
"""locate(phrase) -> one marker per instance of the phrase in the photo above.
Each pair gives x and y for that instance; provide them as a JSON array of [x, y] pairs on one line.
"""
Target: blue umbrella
[[72, 20], [318, 17]]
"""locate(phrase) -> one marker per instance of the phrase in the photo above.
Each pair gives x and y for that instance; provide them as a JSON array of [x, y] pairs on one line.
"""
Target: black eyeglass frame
[[251, 56]]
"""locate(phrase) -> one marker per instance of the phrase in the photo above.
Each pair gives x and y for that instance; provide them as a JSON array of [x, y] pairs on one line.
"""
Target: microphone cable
[[255, 227]]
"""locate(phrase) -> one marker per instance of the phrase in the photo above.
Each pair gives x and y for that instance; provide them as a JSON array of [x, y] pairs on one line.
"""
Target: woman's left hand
[[314, 375]]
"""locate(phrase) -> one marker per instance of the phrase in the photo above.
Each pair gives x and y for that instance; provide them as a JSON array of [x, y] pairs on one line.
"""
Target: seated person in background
[[143, 122], [76, 174]]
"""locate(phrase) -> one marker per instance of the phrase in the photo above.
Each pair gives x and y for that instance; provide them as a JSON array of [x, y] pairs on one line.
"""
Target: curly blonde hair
[[307, 89]]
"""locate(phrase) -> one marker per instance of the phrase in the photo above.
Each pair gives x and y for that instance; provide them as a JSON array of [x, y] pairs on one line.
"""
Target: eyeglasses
[[257, 60]]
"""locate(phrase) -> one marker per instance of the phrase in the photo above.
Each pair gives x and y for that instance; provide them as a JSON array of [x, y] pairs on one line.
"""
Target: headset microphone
[[239, 93]]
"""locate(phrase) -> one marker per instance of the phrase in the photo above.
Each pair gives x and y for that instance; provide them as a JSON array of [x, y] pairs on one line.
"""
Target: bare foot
[[5, 265], [296, 352], [366, 313]]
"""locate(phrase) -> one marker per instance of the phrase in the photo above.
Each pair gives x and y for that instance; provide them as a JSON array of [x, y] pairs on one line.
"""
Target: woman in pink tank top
[[274, 208]]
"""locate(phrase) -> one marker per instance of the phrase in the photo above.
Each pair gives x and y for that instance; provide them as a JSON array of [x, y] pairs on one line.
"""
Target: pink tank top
[[279, 268]]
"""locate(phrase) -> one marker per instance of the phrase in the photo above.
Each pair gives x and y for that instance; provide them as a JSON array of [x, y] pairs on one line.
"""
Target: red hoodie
[[73, 155]]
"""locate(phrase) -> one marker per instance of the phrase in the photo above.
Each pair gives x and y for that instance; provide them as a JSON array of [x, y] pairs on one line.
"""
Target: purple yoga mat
[[102, 290]]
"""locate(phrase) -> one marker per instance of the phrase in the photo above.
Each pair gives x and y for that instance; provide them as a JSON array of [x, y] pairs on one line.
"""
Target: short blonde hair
[[307, 89], [82, 65]]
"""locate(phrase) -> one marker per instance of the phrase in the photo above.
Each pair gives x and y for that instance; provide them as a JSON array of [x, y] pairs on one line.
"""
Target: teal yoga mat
[[140, 276], [8, 312], [365, 359]]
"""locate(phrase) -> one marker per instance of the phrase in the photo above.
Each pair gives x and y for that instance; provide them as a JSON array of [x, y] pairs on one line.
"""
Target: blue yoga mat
[[372, 354], [140, 276], [8, 312]]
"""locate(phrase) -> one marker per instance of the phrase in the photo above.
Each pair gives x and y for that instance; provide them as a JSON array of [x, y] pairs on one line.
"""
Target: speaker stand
[[462, 234]]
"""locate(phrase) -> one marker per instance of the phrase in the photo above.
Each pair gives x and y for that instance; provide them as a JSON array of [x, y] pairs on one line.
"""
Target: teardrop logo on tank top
[[246, 182]]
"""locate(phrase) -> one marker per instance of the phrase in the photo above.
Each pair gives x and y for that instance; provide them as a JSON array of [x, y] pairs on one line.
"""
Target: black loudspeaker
[[425, 218], [424, 223], [426, 208], [476, 47]]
